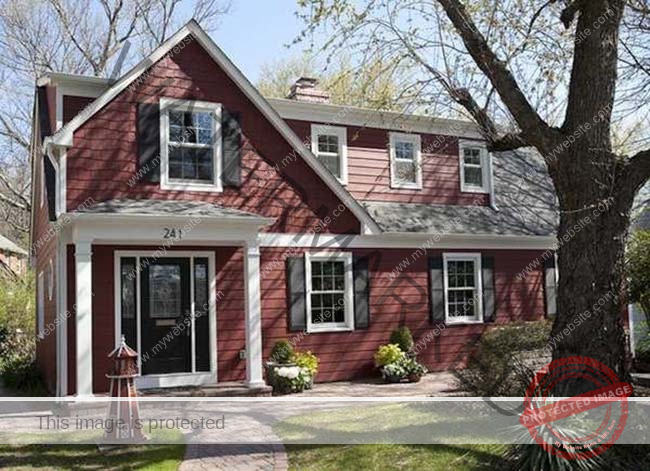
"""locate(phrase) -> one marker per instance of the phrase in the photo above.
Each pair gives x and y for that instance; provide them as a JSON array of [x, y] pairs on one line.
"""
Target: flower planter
[[393, 378], [271, 366], [414, 378]]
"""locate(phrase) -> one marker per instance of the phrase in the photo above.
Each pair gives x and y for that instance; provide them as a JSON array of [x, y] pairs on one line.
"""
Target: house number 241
[[172, 233]]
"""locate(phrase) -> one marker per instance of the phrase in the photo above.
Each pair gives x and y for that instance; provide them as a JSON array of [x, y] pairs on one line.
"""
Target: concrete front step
[[227, 389]]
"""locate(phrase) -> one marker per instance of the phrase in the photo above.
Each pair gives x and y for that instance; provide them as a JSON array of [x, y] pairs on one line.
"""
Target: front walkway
[[432, 384], [261, 457]]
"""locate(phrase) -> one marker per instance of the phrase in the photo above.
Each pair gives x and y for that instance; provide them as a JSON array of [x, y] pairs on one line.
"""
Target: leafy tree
[[638, 269], [557, 76], [374, 85]]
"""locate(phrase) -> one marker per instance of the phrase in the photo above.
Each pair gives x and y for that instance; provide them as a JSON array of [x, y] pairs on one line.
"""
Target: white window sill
[[191, 186], [464, 322], [321, 330], [473, 189], [405, 186]]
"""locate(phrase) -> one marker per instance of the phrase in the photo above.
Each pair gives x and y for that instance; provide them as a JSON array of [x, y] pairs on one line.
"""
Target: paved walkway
[[260, 457]]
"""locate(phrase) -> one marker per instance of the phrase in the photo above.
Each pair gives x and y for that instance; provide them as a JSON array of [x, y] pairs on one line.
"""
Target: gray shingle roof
[[524, 196], [642, 222], [153, 207], [8, 246]]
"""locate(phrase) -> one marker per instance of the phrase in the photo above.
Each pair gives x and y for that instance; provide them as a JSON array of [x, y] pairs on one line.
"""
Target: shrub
[[17, 306], [290, 379], [638, 269], [18, 366], [412, 367], [394, 370], [499, 367], [282, 352], [387, 354], [308, 361], [402, 338], [643, 351]]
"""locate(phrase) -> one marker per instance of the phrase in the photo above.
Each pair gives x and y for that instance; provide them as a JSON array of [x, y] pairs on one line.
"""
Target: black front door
[[165, 286]]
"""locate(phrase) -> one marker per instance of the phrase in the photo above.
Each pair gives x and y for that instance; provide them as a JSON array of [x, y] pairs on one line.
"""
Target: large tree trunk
[[594, 221]]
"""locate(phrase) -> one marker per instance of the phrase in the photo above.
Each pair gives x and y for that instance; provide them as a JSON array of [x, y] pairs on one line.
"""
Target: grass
[[88, 457], [396, 457]]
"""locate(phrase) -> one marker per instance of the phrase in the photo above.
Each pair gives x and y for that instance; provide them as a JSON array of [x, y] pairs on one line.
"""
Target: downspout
[[493, 203]]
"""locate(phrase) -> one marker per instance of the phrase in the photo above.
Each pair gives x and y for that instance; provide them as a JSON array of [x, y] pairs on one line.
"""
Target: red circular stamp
[[547, 420]]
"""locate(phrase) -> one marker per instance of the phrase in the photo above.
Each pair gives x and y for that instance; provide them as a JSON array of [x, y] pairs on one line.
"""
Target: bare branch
[[638, 170], [496, 71]]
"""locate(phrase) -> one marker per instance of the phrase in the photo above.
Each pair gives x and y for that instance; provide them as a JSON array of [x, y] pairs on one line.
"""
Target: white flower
[[289, 372]]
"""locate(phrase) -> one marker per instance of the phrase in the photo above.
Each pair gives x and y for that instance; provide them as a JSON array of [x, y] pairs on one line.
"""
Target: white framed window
[[463, 288], [40, 317], [50, 281], [330, 296], [474, 168], [330, 145], [190, 145], [405, 161]]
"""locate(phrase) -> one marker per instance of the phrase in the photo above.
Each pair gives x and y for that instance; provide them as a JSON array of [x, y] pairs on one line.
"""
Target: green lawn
[[88, 457], [396, 457]]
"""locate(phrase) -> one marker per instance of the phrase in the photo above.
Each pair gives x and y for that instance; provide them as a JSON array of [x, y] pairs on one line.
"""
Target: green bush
[[638, 269], [497, 367], [18, 367], [402, 338], [387, 354], [282, 352], [17, 300], [643, 351], [308, 361]]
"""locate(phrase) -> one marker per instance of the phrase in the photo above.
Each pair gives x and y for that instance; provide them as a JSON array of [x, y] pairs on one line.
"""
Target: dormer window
[[405, 161], [190, 145], [329, 145], [474, 175]]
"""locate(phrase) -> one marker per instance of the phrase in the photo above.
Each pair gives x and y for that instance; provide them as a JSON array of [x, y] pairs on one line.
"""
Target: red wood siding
[[369, 168], [44, 246], [72, 106], [343, 355], [348, 355], [104, 156]]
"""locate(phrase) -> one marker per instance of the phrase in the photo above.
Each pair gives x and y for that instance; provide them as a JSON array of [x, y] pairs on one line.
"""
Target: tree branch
[[531, 124], [638, 170], [569, 13]]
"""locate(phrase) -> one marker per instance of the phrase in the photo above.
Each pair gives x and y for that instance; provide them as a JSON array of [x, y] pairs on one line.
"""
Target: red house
[[180, 208]]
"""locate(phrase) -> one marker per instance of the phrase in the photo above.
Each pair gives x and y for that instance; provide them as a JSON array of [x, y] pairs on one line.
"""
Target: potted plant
[[393, 372], [403, 339], [387, 355], [413, 370], [289, 379], [309, 363], [282, 354]]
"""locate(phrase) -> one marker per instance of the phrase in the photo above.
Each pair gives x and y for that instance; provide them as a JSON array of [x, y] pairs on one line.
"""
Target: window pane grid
[[473, 167], [461, 289], [190, 149], [327, 292]]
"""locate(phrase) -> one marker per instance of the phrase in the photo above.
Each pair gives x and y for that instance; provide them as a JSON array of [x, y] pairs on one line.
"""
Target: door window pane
[[128, 279], [164, 291]]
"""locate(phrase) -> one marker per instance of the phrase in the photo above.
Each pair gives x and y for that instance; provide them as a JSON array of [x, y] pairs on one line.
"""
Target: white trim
[[485, 167], [372, 118], [50, 281], [341, 134], [478, 288], [84, 318], [172, 379], [64, 137], [62, 313], [168, 104], [391, 240], [42, 179], [61, 183], [346, 258], [253, 313], [414, 139]]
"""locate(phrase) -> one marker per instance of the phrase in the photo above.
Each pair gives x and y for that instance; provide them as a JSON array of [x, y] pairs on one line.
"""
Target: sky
[[255, 32]]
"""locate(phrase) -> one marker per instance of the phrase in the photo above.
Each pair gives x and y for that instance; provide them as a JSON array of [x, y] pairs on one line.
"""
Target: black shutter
[[149, 141], [50, 187], [232, 144], [296, 293], [487, 275], [550, 286], [437, 289], [361, 293]]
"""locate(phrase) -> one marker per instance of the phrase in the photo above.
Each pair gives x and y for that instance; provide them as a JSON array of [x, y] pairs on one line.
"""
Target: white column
[[253, 315], [84, 316]]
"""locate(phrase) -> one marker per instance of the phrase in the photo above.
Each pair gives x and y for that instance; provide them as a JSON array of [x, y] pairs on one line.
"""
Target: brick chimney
[[305, 89]]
